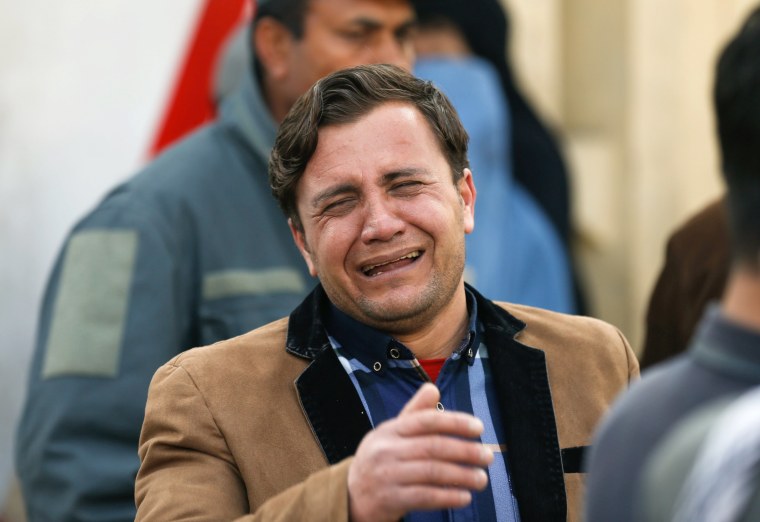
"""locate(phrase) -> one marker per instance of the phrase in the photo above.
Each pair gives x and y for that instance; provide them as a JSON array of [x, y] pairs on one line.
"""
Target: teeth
[[410, 255]]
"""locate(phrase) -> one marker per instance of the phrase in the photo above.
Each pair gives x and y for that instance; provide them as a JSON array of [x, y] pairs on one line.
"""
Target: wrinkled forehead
[[391, 135], [385, 128]]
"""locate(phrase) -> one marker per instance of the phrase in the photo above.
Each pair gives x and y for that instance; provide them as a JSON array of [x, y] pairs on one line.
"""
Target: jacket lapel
[[522, 386], [328, 397], [332, 407]]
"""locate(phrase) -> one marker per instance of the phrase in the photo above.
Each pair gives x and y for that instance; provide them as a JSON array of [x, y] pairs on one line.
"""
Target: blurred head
[[440, 37], [298, 42], [482, 26], [346, 97], [370, 165], [737, 104]]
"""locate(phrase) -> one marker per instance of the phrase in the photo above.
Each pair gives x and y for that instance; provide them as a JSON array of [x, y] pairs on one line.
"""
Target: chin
[[402, 310]]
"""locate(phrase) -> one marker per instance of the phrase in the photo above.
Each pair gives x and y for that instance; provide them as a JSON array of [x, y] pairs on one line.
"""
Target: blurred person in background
[[697, 262], [536, 161], [514, 254], [707, 468], [724, 355], [191, 250]]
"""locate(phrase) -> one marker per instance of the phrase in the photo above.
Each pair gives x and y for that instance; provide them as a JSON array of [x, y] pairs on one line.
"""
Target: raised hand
[[417, 461]]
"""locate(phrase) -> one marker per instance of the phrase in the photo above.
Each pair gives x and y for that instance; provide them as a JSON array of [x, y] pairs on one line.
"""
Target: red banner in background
[[191, 103]]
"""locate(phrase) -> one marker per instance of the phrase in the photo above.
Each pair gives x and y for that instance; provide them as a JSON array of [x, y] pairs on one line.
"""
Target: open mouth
[[376, 270]]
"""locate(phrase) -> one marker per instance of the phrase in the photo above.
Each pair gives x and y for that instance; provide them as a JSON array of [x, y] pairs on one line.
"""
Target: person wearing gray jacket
[[191, 250]]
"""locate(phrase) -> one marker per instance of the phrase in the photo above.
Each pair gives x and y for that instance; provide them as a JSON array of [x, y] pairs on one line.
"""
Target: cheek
[[342, 55], [443, 223], [429, 215], [326, 59], [332, 246]]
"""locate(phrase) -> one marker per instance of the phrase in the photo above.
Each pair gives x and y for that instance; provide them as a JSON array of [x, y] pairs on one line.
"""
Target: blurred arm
[[112, 313]]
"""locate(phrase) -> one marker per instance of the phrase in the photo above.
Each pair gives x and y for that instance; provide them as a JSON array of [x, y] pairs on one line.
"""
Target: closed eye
[[406, 33], [338, 207], [356, 35], [408, 187]]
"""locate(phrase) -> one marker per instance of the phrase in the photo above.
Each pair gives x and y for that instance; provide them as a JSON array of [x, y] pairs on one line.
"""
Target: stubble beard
[[404, 315]]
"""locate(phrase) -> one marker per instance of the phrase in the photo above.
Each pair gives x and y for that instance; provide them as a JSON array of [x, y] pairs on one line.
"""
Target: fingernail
[[476, 425], [486, 453]]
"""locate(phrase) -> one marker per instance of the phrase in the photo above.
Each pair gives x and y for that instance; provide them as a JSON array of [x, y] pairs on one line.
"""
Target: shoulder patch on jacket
[[90, 308], [230, 283]]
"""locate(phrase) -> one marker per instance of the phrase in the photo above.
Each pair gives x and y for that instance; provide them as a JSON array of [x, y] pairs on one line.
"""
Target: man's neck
[[741, 299], [439, 337], [278, 106]]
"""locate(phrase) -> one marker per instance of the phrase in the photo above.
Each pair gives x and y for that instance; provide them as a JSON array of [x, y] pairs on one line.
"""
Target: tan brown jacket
[[265, 424]]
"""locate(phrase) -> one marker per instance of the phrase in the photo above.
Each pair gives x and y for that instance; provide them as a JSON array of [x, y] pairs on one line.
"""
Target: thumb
[[425, 398]]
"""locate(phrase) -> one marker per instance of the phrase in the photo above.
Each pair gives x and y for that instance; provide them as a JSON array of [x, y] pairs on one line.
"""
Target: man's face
[[383, 223], [344, 33]]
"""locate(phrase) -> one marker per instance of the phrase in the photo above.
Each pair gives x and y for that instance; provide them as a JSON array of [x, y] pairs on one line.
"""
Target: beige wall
[[627, 84]]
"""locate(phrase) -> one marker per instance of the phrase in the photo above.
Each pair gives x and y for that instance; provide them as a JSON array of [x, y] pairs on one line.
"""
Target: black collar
[[368, 344], [307, 336]]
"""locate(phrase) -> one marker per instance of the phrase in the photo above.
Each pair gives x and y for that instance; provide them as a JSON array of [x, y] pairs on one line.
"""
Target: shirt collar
[[368, 344], [246, 109]]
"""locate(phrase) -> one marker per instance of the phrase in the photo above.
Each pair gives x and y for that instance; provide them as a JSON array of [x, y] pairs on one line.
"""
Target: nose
[[396, 51], [381, 222]]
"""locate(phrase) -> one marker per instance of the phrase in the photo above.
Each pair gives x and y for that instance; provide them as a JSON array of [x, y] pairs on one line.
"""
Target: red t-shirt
[[432, 367]]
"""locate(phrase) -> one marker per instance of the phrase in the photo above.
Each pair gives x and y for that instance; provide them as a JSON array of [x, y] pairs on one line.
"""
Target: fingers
[[441, 474], [431, 421], [426, 397], [420, 416], [422, 497], [432, 447], [388, 491], [444, 448]]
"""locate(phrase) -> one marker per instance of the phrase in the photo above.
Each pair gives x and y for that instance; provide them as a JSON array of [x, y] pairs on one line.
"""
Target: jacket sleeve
[[113, 311], [189, 473], [634, 369]]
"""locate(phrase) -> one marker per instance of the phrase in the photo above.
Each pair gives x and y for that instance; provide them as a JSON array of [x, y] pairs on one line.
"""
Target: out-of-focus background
[[84, 88]]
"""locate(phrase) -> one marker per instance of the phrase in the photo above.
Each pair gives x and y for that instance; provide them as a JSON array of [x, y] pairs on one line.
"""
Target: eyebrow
[[366, 23], [343, 188], [374, 25], [408, 172], [407, 26]]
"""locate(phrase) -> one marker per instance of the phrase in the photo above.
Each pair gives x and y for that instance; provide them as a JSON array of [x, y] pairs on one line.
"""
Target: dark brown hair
[[737, 106], [344, 97]]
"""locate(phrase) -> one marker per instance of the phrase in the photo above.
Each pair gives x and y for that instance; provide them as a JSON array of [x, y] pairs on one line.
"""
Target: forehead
[[391, 136], [336, 12]]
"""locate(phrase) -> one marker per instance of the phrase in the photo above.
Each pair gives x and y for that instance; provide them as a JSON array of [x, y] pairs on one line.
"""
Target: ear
[[272, 42], [300, 239], [467, 192]]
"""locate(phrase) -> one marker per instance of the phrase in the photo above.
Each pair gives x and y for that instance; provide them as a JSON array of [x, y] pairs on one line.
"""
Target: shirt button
[[469, 352], [377, 366], [439, 407], [395, 353]]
